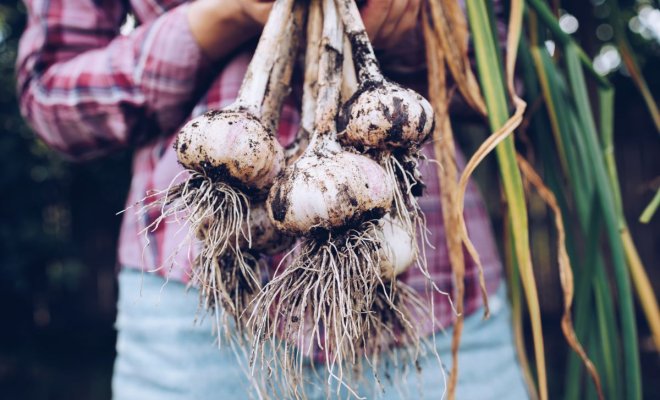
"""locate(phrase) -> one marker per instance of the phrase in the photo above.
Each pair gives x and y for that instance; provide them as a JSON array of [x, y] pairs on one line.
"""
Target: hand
[[392, 24], [255, 11], [220, 26]]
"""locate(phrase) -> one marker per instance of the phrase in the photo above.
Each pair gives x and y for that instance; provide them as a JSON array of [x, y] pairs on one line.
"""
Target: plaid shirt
[[87, 89]]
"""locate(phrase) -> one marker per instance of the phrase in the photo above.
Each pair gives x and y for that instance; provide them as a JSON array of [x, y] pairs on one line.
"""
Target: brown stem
[[448, 179], [254, 85]]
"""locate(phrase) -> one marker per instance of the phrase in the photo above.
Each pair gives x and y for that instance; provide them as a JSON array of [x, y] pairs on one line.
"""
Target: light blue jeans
[[163, 354]]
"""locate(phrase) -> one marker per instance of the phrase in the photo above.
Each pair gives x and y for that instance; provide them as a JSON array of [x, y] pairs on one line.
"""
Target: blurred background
[[58, 223]]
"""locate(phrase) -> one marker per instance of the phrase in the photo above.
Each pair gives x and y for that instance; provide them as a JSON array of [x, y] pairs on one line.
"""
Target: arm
[[87, 90]]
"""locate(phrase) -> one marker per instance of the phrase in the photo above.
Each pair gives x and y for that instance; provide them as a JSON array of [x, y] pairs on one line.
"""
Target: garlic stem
[[279, 83], [329, 78], [254, 85], [349, 84], [381, 114], [328, 188], [310, 84], [312, 54], [363, 52]]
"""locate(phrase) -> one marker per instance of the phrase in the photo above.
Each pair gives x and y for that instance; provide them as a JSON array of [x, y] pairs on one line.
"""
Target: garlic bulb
[[264, 236], [381, 114], [328, 188], [399, 251], [231, 157], [231, 146], [386, 115], [331, 197]]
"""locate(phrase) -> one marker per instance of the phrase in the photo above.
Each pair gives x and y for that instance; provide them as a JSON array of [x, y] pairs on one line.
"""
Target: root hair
[[214, 214], [320, 301], [394, 338], [403, 170]]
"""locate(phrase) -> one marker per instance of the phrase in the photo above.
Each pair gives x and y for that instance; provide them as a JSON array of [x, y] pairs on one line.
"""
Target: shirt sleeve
[[86, 89]]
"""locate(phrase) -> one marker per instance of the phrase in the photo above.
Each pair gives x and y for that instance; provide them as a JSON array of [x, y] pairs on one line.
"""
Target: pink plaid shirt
[[87, 90]]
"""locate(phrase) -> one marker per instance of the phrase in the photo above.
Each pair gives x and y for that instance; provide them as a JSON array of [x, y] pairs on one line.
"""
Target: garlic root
[[332, 198], [232, 156]]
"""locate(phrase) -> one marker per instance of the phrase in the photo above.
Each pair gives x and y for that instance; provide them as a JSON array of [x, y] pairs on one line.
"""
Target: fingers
[[406, 28], [261, 11], [390, 22]]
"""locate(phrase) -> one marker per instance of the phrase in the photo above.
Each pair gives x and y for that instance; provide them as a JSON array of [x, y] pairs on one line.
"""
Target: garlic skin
[[399, 251], [381, 114], [384, 115], [231, 146], [263, 234], [328, 189]]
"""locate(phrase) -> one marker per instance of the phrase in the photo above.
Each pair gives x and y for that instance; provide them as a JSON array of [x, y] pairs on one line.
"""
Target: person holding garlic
[[87, 89]]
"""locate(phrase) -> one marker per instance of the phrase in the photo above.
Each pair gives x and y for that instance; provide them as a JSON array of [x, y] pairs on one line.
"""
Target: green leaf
[[493, 85], [595, 158]]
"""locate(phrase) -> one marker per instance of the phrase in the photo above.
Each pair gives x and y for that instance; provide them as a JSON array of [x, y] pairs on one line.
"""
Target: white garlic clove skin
[[335, 189], [398, 253], [384, 115], [265, 237], [230, 146]]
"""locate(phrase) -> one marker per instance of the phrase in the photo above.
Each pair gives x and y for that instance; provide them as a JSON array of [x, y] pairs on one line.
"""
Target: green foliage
[[586, 153], [566, 89]]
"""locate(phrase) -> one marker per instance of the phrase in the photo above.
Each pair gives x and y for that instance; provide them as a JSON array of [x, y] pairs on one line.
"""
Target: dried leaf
[[565, 269], [485, 47], [445, 151], [450, 26]]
